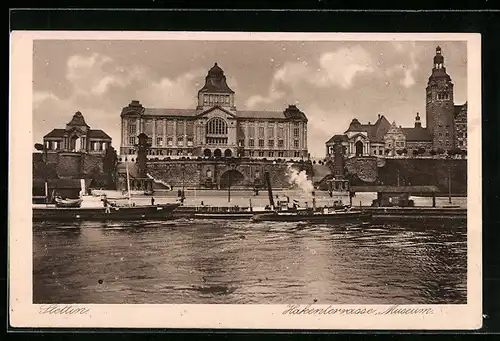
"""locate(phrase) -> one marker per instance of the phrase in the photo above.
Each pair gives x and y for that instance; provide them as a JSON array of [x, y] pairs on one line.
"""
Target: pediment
[[358, 136], [75, 131], [217, 111]]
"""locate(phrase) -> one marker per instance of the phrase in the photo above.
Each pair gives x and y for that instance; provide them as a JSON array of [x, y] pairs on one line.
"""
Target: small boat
[[101, 208], [149, 212], [60, 202], [282, 212]]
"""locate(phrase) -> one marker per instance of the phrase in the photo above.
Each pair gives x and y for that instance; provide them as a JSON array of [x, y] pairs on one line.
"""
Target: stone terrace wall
[[196, 171]]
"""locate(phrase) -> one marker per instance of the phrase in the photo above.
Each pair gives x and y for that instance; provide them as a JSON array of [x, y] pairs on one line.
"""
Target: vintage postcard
[[245, 180]]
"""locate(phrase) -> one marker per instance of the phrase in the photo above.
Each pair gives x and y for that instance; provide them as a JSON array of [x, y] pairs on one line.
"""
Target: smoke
[[299, 179]]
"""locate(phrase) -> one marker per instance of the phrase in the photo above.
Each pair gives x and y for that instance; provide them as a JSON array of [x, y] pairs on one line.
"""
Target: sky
[[332, 82]]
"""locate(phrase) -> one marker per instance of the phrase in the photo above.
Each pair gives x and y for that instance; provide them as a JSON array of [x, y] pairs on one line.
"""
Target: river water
[[234, 262]]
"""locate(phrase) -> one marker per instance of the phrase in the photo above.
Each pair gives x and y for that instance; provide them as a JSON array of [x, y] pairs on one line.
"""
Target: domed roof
[[215, 70], [216, 81]]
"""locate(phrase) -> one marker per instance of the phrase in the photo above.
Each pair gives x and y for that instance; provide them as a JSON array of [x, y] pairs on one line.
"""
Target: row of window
[[148, 129], [270, 143], [170, 141], [216, 99], [169, 152]]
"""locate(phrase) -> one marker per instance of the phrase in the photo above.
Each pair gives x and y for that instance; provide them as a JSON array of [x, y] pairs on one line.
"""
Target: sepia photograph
[[319, 177]]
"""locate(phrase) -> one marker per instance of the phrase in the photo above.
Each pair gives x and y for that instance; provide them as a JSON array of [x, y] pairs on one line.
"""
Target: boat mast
[[128, 188]]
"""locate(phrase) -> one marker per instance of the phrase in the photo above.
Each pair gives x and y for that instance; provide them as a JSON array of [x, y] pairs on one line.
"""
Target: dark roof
[[216, 81], [374, 131], [461, 112], [395, 189], [171, 112], [97, 134], [77, 120], [92, 133], [337, 138], [416, 134], [56, 133]]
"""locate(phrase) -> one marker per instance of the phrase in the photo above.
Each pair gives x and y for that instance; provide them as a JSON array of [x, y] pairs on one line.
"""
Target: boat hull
[[315, 218], [100, 214]]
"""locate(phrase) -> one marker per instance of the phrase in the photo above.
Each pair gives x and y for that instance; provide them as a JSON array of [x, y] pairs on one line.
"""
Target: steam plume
[[299, 179]]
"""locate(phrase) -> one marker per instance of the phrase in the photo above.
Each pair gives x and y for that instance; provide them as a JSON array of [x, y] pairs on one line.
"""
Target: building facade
[[446, 124], [215, 128], [77, 137]]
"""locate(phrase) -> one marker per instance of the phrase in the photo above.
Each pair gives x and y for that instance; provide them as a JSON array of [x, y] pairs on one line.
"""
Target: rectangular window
[[280, 143], [271, 154], [296, 154], [270, 131], [261, 154], [150, 140], [280, 154], [159, 141], [251, 153], [131, 140], [296, 132], [241, 143], [190, 128], [261, 131], [270, 143], [251, 143], [261, 143], [180, 141], [169, 152], [180, 127], [132, 127], [296, 144], [251, 130], [281, 132], [179, 152], [159, 127], [170, 141], [170, 128], [190, 141], [131, 151]]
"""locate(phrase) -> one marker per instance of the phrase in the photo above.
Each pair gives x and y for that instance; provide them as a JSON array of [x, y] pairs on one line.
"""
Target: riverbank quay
[[417, 213]]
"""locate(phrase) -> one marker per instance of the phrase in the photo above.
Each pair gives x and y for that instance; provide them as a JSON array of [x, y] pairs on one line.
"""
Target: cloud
[[333, 69], [100, 86]]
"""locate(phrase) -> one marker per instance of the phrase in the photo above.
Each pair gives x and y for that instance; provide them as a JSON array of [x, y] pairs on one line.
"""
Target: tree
[[109, 166]]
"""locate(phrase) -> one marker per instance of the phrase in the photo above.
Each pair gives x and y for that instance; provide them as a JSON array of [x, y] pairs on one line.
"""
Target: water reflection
[[188, 261]]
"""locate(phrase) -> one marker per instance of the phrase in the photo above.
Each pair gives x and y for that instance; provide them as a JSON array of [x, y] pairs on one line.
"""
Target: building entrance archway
[[231, 178], [217, 153], [359, 148], [228, 153], [207, 152]]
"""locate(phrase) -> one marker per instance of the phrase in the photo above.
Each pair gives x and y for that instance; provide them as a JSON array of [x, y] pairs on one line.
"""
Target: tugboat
[[283, 212], [89, 207]]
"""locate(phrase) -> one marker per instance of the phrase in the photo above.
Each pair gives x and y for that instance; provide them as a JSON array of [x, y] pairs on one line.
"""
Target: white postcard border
[[23, 313]]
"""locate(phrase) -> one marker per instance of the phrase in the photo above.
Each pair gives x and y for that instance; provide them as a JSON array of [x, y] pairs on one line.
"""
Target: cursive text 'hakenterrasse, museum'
[[297, 309]]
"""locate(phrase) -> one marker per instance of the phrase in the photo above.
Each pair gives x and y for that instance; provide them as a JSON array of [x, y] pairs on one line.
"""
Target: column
[[185, 132], [164, 131], [153, 138], [174, 137]]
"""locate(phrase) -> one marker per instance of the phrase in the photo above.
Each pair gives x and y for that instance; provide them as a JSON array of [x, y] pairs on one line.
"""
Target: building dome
[[215, 70]]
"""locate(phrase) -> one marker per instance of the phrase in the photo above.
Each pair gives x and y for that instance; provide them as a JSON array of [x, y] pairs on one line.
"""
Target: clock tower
[[439, 105]]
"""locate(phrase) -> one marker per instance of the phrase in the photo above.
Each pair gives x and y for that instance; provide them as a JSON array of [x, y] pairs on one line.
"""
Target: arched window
[[216, 126]]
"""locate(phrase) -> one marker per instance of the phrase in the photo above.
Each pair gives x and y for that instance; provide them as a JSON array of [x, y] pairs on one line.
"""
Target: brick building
[[215, 128], [446, 124]]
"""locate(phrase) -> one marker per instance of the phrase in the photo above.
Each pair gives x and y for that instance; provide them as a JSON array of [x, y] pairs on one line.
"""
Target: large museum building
[[215, 128]]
